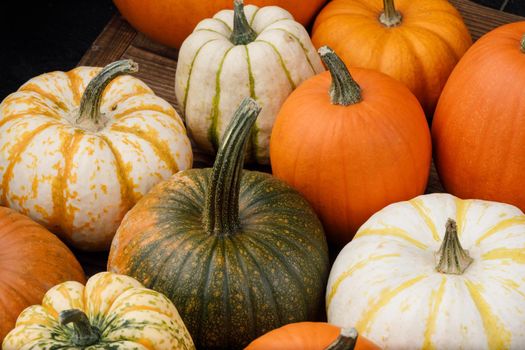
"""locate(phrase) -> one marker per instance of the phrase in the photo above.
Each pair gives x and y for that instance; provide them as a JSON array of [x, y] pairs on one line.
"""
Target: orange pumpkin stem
[[523, 44], [390, 17], [221, 213], [346, 340], [242, 33], [84, 333], [344, 90], [92, 97], [451, 257]]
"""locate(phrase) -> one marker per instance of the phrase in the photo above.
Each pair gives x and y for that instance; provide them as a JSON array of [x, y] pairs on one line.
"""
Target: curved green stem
[[84, 334], [344, 89], [390, 17], [92, 97], [242, 33], [221, 213], [523, 44], [345, 341], [451, 258]]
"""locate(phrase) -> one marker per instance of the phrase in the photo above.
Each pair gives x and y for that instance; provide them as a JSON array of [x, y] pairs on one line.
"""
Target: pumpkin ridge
[[74, 82], [212, 131], [33, 87], [253, 138], [503, 224], [434, 304], [188, 81], [305, 51], [223, 22], [517, 255], [393, 232], [20, 148], [208, 30], [281, 61], [253, 16], [149, 108], [450, 49], [498, 337], [282, 260], [386, 295], [160, 148], [270, 296], [226, 286], [126, 184]]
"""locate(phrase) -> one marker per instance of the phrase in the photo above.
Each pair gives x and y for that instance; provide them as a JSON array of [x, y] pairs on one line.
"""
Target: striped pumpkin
[[259, 52], [436, 272], [111, 312], [238, 252], [76, 157]]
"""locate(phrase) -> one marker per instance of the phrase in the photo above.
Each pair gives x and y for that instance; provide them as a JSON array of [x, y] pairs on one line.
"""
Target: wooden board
[[157, 65]]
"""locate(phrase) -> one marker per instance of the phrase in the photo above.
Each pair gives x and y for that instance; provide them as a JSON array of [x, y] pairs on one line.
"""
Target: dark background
[[47, 35]]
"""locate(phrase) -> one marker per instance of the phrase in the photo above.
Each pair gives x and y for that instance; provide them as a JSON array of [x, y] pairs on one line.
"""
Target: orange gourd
[[171, 21], [351, 154], [415, 42], [311, 336], [32, 260], [479, 126]]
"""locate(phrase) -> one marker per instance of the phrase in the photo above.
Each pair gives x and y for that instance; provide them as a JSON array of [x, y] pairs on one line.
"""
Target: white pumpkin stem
[[242, 33], [346, 340], [84, 333], [523, 44], [451, 258], [390, 17], [344, 90], [221, 213], [92, 97]]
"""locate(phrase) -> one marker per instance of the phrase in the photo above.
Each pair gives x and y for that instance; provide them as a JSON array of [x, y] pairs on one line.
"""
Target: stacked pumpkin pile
[[102, 162]]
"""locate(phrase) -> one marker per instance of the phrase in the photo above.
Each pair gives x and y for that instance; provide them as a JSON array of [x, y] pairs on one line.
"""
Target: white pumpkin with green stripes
[[112, 312], [258, 52], [436, 272]]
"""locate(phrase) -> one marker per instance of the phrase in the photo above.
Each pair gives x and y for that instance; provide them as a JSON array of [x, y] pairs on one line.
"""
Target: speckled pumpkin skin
[[228, 289]]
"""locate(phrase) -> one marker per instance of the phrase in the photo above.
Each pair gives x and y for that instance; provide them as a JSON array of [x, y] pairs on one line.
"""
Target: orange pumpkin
[[351, 154], [479, 126], [32, 260], [415, 42], [171, 21], [311, 336]]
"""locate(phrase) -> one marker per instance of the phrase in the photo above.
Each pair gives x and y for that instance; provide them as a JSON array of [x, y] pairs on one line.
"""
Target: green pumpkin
[[238, 252]]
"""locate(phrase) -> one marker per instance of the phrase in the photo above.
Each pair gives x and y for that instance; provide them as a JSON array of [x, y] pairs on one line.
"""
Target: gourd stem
[[84, 333], [346, 340], [242, 33], [344, 89], [221, 214], [92, 97], [390, 17], [451, 258], [523, 44]]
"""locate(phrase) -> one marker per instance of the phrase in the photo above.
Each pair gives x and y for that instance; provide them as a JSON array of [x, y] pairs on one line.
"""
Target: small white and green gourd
[[111, 312], [250, 51], [435, 272]]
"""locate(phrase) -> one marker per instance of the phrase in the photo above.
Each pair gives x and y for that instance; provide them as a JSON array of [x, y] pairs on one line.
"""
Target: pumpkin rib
[[254, 15], [161, 150], [281, 61], [223, 22], [31, 87], [305, 51], [14, 159], [188, 81], [434, 304], [74, 82], [212, 131]]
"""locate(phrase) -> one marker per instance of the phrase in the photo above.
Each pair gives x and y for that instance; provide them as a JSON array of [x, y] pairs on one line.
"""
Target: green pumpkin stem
[[523, 44], [92, 97], [345, 341], [84, 334], [451, 258], [390, 17], [344, 89], [242, 33], [221, 214]]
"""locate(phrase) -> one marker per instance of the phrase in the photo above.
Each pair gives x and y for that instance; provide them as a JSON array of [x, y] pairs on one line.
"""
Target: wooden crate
[[157, 65]]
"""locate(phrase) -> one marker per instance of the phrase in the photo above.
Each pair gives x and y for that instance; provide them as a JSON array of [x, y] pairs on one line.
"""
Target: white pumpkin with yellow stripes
[[436, 272], [258, 52], [111, 312], [76, 157]]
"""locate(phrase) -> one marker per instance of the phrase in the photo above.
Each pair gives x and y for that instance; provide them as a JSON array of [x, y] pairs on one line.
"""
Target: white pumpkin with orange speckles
[[111, 312], [79, 175], [401, 287]]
